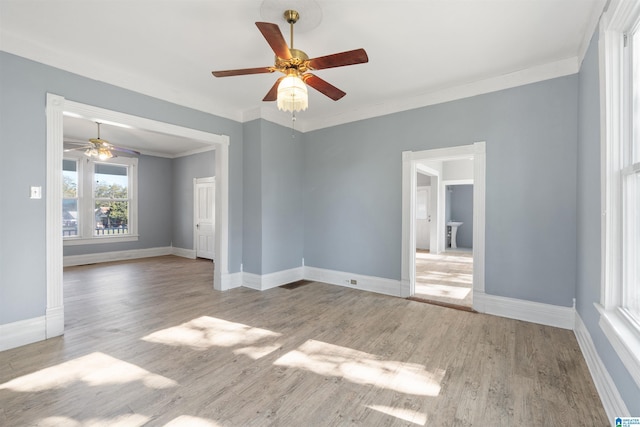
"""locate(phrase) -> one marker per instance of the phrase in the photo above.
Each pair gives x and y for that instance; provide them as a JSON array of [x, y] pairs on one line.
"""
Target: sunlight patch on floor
[[363, 368], [95, 369], [402, 414], [441, 258], [127, 420], [442, 291], [189, 421], [206, 332], [438, 277]]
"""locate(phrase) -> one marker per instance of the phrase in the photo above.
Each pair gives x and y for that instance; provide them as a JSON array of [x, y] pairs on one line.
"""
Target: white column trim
[[408, 259], [479, 206], [55, 300], [222, 216]]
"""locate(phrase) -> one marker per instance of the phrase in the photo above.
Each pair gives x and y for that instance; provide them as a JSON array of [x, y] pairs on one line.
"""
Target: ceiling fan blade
[[242, 72], [323, 86], [272, 95], [351, 57], [272, 34], [125, 150], [66, 150]]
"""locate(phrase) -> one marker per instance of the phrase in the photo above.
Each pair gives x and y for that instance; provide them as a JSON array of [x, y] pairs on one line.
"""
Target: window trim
[[85, 195], [622, 332]]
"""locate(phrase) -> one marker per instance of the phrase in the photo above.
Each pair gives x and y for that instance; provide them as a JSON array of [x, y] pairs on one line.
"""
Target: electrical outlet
[[353, 281]]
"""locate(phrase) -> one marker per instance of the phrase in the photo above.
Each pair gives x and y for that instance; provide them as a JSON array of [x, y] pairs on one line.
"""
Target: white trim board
[[611, 399], [184, 253], [272, 280], [529, 311], [22, 332], [364, 283], [71, 260], [232, 280]]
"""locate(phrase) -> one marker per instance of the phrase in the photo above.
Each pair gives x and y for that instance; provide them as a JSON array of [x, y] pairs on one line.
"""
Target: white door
[[423, 218], [204, 217]]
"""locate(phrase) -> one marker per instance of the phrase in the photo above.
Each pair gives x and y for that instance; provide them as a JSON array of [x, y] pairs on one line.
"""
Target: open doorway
[[446, 277], [57, 108], [443, 224]]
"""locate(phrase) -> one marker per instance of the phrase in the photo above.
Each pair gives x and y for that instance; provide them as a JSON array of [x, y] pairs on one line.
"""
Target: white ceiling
[[420, 51], [78, 130]]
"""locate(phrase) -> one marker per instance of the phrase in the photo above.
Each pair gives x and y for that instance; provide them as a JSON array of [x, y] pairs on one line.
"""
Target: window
[[99, 203], [69, 198], [631, 181], [620, 62]]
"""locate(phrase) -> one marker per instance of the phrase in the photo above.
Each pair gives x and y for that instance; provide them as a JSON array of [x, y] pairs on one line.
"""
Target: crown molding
[[506, 81], [145, 85], [150, 87]]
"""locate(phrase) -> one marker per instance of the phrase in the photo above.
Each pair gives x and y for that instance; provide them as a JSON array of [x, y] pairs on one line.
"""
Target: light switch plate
[[36, 192]]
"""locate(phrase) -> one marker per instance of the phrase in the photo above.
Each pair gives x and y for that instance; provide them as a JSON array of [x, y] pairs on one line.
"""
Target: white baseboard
[[23, 332], [366, 283], [232, 280], [613, 404], [184, 253], [71, 260], [272, 280], [535, 312], [54, 322]]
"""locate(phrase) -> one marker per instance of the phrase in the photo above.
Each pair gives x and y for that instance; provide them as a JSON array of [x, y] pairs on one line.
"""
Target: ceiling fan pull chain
[[293, 125]]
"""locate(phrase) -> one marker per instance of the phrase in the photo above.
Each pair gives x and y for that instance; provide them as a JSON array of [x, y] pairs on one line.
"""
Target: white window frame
[[623, 332], [86, 170]]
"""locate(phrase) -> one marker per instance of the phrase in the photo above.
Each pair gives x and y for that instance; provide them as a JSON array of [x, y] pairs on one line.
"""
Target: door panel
[[205, 220]]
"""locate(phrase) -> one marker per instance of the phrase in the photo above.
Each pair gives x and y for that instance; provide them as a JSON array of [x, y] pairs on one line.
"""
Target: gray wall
[[461, 202], [282, 215], [588, 224], [185, 169], [23, 88], [252, 221], [273, 236], [353, 187]]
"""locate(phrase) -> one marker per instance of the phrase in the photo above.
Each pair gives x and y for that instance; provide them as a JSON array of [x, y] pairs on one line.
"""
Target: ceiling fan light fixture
[[292, 94], [104, 154]]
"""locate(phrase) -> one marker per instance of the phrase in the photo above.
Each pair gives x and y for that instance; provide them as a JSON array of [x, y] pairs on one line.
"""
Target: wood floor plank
[[149, 342]]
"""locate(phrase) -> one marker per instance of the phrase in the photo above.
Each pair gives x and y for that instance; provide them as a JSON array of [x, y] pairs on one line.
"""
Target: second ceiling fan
[[290, 90]]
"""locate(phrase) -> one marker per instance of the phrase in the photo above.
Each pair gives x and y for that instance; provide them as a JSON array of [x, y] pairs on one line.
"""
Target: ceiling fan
[[100, 148], [290, 90]]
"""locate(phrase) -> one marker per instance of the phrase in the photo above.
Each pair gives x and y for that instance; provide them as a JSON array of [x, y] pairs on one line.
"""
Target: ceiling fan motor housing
[[299, 61]]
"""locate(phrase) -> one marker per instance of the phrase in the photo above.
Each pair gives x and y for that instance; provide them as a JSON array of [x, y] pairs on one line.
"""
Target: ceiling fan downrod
[[291, 16]]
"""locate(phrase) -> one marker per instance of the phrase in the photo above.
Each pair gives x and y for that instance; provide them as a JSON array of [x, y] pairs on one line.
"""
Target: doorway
[[455, 266], [56, 107]]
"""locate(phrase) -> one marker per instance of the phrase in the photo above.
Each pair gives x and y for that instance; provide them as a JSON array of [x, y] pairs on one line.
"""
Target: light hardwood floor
[[446, 277], [148, 342]]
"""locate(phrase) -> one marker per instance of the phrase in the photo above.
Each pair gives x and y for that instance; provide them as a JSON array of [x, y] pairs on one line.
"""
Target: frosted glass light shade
[[292, 94]]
